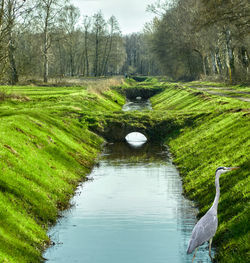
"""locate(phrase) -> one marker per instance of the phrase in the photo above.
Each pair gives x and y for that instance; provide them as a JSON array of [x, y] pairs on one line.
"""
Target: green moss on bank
[[220, 137], [46, 149]]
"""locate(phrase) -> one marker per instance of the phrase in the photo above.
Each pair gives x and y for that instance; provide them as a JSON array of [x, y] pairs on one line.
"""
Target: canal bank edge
[[46, 150], [219, 137]]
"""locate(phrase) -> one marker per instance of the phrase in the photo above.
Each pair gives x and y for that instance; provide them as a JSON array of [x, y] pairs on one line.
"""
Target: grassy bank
[[219, 137], [46, 149]]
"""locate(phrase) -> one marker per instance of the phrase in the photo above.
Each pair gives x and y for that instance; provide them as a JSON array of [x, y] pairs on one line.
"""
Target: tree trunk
[[218, 61], [86, 52], [96, 54], [105, 57], [11, 47], [13, 69], [45, 65], [72, 67], [60, 58], [108, 55], [46, 48], [1, 15], [230, 56], [204, 65]]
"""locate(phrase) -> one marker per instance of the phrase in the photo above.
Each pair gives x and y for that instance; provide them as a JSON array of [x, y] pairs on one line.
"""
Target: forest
[[187, 40]]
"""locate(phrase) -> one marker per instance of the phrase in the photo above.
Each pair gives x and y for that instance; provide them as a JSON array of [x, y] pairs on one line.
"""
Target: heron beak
[[234, 168]]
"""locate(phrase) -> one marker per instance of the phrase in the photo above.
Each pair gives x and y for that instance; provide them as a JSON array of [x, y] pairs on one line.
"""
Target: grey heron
[[206, 227]]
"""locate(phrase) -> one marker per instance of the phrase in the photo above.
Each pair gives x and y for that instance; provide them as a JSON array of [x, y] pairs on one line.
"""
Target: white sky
[[131, 14]]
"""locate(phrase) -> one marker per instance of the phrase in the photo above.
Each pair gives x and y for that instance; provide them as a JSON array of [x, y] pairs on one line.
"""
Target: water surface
[[133, 210], [138, 104]]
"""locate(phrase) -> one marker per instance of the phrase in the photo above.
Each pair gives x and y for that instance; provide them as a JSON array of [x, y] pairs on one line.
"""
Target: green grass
[[46, 149], [224, 89], [219, 137], [179, 99]]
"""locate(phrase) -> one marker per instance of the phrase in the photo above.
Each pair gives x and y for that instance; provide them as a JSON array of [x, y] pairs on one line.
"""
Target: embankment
[[46, 149], [219, 137]]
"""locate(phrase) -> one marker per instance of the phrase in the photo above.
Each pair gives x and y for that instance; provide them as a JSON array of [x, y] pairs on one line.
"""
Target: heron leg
[[194, 254], [210, 245]]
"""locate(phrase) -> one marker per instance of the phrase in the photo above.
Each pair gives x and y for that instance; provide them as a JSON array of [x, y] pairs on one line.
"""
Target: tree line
[[205, 38], [187, 40], [49, 38]]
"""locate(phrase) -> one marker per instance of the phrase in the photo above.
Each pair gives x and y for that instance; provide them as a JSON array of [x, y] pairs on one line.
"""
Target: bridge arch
[[115, 127], [136, 138]]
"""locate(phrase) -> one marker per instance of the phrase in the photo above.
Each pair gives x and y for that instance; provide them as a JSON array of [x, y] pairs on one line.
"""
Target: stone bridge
[[115, 127], [145, 92]]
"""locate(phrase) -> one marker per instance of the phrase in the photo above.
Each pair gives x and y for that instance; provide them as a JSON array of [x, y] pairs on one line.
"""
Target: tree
[[48, 11], [139, 55], [69, 18], [11, 12], [211, 35], [113, 29], [86, 25], [99, 28], [47, 41]]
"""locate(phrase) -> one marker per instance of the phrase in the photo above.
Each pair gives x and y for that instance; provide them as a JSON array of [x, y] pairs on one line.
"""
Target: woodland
[[187, 40]]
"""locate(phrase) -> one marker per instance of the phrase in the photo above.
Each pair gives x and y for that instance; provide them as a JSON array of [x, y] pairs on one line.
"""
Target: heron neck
[[217, 196]]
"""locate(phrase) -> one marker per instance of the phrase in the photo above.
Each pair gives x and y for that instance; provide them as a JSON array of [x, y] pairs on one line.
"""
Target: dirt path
[[225, 92]]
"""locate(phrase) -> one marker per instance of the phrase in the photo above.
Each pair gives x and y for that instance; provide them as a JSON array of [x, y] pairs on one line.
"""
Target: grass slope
[[46, 149], [219, 137]]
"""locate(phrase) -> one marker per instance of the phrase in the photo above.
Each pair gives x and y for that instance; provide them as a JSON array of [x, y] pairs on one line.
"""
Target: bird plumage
[[203, 231], [206, 227]]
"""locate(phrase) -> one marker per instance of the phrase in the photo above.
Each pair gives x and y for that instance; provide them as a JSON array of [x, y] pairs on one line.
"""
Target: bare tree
[[99, 27], [114, 29], [51, 43], [11, 12], [69, 18], [212, 35], [48, 11], [86, 26]]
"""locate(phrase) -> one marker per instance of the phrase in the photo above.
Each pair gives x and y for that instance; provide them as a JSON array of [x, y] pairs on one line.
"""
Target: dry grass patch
[[102, 85], [5, 95]]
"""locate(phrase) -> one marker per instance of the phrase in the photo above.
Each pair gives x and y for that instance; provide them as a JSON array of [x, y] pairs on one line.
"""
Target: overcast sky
[[131, 14]]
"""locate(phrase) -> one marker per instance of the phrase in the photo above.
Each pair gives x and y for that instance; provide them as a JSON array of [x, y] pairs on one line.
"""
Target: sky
[[131, 14]]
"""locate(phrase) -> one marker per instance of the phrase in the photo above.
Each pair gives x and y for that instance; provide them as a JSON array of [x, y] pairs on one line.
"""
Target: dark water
[[133, 211]]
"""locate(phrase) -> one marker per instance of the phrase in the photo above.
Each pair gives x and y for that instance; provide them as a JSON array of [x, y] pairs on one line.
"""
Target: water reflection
[[139, 105], [136, 139], [133, 211], [146, 154]]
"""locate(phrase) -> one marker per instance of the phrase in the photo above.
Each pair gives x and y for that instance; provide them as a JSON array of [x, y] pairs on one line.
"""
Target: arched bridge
[[115, 127]]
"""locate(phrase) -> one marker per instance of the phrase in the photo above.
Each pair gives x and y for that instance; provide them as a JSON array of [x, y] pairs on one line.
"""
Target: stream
[[133, 210]]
